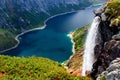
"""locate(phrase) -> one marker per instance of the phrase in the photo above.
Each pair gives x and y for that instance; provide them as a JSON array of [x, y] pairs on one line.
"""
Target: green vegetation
[[113, 11], [75, 62], [33, 68], [102, 77], [35, 19], [6, 39], [79, 38]]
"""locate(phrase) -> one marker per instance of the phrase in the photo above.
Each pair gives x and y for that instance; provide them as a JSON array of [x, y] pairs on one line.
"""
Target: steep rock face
[[108, 46], [110, 52], [112, 72]]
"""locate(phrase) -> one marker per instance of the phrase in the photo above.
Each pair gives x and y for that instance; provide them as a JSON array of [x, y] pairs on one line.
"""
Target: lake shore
[[39, 28], [70, 35]]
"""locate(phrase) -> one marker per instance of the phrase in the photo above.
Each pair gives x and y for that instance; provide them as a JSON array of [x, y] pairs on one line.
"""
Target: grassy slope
[[75, 63], [79, 38], [37, 68], [33, 68]]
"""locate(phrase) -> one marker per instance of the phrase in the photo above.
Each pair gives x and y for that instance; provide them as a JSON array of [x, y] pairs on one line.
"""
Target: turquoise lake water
[[53, 42]]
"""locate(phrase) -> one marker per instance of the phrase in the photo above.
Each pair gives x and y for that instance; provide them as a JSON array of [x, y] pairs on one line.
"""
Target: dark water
[[53, 42]]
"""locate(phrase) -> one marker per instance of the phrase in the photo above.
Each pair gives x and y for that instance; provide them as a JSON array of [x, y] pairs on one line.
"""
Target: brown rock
[[110, 52], [75, 64]]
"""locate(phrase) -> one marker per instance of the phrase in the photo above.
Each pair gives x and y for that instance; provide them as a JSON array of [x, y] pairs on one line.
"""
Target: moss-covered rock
[[115, 22], [113, 11]]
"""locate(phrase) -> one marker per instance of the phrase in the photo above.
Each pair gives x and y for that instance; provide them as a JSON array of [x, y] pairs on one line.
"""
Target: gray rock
[[114, 75], [112, 72], [116, 37], [103, 17], [99, 11]]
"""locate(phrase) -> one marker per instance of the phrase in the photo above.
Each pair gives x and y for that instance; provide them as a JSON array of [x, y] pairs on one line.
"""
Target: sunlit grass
[[33, 68]]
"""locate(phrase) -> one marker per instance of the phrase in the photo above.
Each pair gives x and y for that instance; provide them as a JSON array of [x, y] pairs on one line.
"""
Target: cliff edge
[[108, 46]]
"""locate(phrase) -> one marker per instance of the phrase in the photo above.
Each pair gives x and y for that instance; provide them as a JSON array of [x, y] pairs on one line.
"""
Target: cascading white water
[[88, 57]]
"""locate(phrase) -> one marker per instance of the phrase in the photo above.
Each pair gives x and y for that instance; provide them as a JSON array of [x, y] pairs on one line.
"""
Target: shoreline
[[43, 27], [70, 35], [18, 41], [39, 28]]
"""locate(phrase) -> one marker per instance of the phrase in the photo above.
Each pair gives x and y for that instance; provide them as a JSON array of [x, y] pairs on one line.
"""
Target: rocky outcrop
[[112, 72], [110, 52], [108, 46]]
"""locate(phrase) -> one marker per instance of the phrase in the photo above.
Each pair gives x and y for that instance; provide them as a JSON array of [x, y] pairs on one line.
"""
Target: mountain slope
[[21, 15], [33, 68], [28, 13]]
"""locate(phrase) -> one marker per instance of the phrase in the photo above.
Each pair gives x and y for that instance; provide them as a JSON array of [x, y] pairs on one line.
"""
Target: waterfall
[[88, 57]]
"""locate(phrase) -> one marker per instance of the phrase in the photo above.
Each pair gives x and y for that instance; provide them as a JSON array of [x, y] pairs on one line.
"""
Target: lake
[[53, 42]]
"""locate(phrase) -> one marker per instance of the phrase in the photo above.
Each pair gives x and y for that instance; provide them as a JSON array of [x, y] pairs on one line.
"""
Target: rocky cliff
[[108, 46], [112, 72]]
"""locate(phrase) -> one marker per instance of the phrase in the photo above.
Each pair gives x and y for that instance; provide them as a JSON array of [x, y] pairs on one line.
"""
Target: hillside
[[33, 68], [75, 63]]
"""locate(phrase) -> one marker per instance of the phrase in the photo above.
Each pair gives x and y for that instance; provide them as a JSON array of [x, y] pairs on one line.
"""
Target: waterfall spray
[[88, 57]]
